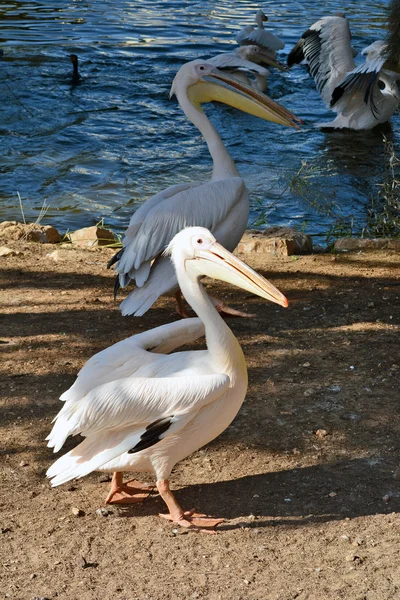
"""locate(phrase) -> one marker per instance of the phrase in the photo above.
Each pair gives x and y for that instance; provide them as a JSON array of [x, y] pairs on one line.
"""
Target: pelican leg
[[227, 311], [189, 518], [181, 310], [127, 493]]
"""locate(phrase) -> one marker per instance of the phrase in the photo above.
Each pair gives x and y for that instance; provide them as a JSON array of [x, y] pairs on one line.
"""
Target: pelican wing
[[129, 415], [359, 89], [205, 205], [327, 49], [124, 358], [232, 61], [377, 49], [259, 37]]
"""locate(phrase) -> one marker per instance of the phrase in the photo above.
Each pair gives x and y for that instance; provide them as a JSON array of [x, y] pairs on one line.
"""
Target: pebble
[[246, 581], [352, 557], [308, 392], [321, 433], [77, 512], [307, 364], [23, 463], [386, 498], [103, 512], [105, 477], [332, 494], [396, 474], [334, 388]]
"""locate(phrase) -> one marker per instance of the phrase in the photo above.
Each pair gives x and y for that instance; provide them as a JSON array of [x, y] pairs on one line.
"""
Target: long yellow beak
[[217, 263], [218, 86]]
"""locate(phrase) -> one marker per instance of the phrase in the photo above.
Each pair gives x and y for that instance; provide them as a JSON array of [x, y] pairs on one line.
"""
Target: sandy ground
[[310, 514]]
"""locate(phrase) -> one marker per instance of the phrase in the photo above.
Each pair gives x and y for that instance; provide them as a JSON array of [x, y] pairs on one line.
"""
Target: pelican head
[[261, 17], [195, 251], [256, 54], [202, 82]]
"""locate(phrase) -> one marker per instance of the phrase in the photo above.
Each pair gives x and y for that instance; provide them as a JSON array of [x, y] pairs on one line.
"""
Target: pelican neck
[[223, 165], [222, 345]]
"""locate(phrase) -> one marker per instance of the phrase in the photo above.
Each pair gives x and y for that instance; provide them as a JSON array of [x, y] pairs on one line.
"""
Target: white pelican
[[362, 96], [221, 205], [240, 65], [260, 37], [142, 410]]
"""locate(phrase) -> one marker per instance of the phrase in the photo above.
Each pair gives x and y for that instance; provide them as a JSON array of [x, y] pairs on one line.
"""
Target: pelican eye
[[201, 68], [199, 241], [381, 84]]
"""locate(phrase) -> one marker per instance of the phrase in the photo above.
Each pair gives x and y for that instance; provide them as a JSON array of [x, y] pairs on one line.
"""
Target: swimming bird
[[75, 77], [143, 410], [221, 205], [259, 36], [362, 96]]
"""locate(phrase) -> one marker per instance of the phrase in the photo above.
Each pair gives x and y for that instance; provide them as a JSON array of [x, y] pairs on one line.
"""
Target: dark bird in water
[[76, 78]]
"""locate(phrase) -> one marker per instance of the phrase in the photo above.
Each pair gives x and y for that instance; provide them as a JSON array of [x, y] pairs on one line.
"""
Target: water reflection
[[101, 147]]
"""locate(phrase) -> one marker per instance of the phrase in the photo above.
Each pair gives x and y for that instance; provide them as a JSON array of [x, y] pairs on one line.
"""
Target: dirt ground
[[305, 476]]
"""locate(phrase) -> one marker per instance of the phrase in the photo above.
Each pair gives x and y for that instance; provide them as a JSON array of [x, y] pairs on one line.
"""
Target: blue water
[[100, 148]]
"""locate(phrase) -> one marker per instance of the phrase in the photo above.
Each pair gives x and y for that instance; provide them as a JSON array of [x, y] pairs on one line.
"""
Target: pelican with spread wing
[[259, 36], [362, 96], [141, 409], [221, 205]]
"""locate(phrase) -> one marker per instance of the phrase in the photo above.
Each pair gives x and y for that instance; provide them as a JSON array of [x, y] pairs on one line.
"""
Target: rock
[[32, 232], [53, 255], [5, 251], [349, 244], [77, 512], [280, 241], [104, 477], [91, 237], [23, 463]]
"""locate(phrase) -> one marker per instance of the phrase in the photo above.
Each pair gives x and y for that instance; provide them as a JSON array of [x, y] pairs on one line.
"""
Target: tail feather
[[91, 454], [161, 280]]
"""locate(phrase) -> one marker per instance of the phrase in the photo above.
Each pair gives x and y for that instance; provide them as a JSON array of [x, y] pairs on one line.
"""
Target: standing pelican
[[145, 411], [260, 37], [362, 96], [222, 204]]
